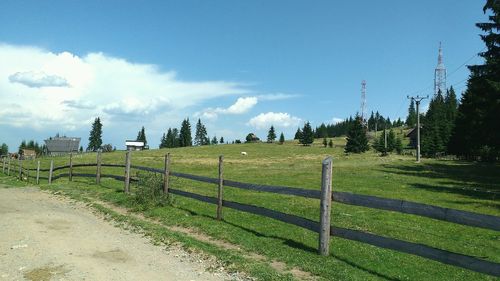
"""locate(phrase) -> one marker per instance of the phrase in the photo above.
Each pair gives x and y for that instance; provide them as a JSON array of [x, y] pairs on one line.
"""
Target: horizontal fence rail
[[396, 205]]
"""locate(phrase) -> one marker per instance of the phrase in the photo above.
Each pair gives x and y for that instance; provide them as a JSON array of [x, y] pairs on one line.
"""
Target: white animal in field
[[243, 153]]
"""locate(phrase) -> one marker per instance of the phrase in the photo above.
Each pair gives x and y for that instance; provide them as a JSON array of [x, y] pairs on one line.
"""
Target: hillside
[[437, 182]]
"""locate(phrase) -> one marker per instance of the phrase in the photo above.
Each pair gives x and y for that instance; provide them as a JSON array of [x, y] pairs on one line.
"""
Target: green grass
[[437, 182]]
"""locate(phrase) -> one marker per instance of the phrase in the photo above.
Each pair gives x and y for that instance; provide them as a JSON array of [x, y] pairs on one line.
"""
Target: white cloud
[[336, 120], [278, 119], [101, 85], [37, 79], [242, 105], [277, 96]]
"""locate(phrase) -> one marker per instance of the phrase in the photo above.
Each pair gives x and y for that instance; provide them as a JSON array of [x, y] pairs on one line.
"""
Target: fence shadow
[[475, 180], [285, 241]]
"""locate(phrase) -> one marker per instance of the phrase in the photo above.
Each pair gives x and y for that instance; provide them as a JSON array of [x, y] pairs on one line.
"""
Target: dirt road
[[47, 237]]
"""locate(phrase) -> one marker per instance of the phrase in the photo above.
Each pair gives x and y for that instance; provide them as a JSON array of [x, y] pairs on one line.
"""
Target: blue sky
[[238, 65]]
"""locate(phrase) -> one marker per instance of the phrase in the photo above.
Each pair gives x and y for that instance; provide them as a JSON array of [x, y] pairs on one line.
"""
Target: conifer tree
[[271, 135], [330, 143], [357, 141], [411, 119], [282, 138], [307, 136], [221, 141], [477, 130], [325, 142], [214, 140], [141, 136], [185, 138], [201, 136], [4, 149], [95, 137], [298, 134]]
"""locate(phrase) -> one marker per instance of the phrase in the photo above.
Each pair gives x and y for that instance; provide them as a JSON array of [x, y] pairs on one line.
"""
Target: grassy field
[[443, 183]]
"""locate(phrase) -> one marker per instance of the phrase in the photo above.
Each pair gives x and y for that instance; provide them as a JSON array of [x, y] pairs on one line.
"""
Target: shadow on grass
[[292, 244], [475, 180]]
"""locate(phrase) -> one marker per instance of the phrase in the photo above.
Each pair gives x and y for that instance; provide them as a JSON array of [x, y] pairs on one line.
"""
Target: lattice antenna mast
[[440, 74], [363, 103]]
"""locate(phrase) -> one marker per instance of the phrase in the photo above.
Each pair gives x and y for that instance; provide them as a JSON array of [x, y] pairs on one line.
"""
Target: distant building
[[62, 145], [412, 134], [28, 154], [134, 145]]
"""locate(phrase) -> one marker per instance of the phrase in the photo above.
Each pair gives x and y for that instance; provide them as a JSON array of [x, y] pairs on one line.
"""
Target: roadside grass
[[437, 182]]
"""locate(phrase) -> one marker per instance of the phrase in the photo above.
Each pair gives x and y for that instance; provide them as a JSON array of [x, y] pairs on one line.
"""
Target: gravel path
[[47, 237]]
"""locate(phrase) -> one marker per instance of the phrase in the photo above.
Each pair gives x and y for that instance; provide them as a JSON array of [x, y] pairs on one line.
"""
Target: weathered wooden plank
[[291, 219], [38, 172], [51, 171], [435, 212], [302, 192], [70, 166], [220, 189], [166, 174], [20, 164], [59, 168], [147, 169], [195, 178], [127, 172], [325, 207], [421, 250], [98, 169], [198, 197]]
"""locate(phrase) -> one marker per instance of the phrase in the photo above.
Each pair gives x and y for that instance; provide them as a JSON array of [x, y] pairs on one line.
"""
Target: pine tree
[[214, 140], [357, 141], [371, 122], [325, 142], [95, 138], [141, 136], [282, 138], [477, 130], [4, 149], [201, 137], [221, 141], [298, 134], [185, 138], [271, 135], [307, 136], [434, 129], [330, 143], [175, 139], [398, 146], [411, 119]]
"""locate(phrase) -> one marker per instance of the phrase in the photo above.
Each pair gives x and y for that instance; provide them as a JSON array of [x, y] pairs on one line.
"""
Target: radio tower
[[440, 74], [363, 103]]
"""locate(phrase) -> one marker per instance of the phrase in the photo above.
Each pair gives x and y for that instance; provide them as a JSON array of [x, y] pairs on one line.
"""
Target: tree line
[[183, 138], [468, 129]]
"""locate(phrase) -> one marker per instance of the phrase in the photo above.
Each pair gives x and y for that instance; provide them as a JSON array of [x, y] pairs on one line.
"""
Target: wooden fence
[[326, 196]]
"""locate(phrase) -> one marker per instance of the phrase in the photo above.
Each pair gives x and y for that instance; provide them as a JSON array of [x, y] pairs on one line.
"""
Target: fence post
[[221, 187], [38, 172], [98, 172], [27, 174], [20, 163], [127, 172], [70, 166], [50, 171], [326, 206], [3, 165], [8, 168], [166, 174]]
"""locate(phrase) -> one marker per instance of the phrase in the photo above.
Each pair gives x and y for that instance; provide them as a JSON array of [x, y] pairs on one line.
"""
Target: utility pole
[[417, 100]]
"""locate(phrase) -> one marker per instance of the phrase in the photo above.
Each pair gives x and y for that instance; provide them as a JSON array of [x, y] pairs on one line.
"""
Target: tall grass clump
[[149, 191]]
